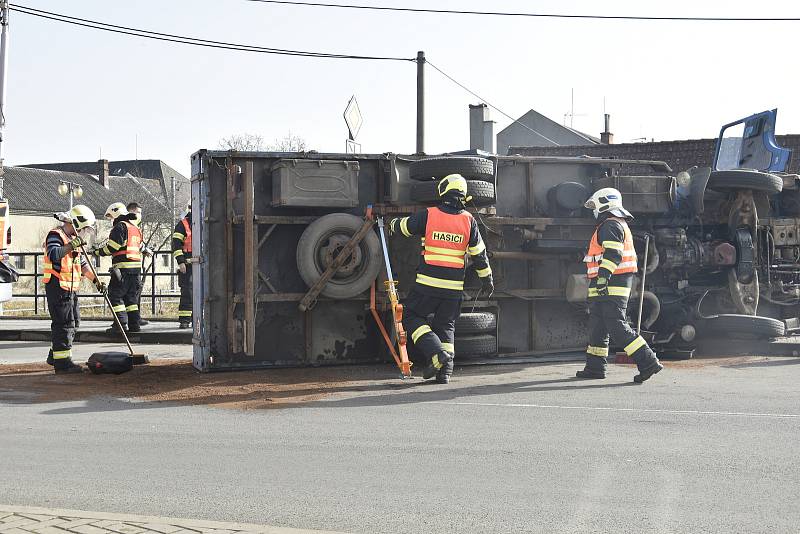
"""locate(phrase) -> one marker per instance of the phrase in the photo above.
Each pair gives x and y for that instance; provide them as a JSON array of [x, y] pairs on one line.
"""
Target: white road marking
[[612, 409]]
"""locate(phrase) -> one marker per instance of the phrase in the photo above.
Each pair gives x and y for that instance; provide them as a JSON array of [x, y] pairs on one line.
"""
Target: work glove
[[391, 227], [100, 285], [182, 268], [77, 243], [147, 252], [487, 285], [602, 286]]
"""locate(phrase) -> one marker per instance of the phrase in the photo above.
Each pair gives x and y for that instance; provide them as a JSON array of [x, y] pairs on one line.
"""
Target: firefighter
[[611, 265], [63, 268], [124, 246], [136, 210], [448, 233], [182, 251]]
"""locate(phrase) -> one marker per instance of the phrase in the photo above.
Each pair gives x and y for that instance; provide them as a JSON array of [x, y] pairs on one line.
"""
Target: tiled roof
[[35, 192], [680, 155]]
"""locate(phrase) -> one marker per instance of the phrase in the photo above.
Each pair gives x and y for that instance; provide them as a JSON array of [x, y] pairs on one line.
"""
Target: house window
[[97, 262], [165, 260], [21, 261]]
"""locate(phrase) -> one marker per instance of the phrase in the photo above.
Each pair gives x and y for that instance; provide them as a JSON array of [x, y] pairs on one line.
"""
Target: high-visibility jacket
[[129, 256], [182, 239], [594, 258], [446, 238], [68, 270], [187, 240]]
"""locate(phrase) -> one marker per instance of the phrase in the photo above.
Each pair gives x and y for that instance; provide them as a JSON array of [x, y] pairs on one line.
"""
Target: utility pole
[[171, 257], [3, 71], [420, 102]]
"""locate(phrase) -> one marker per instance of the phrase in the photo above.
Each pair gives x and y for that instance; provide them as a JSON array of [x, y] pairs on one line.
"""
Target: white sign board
[[353, 118]]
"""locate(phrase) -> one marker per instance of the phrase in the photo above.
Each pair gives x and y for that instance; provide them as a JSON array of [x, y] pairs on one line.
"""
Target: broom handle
[[108, 300]]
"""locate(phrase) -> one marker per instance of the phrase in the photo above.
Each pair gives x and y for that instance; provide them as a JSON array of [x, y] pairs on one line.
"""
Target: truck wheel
[[321, 242], [475, 323], [745, 179], [745, 326], [437, 168], [482, 192], [474, 346]]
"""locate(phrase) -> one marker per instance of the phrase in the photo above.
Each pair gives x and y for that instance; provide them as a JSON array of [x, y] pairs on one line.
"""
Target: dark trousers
[[185, 304], [431, 338], [607, 318], [124, 295], [64, 317]]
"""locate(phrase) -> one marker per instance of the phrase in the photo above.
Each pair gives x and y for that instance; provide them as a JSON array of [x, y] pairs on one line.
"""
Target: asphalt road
[[502, 449]]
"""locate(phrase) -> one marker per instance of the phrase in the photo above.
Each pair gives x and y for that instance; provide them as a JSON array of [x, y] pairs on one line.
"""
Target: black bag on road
[[114, 363]]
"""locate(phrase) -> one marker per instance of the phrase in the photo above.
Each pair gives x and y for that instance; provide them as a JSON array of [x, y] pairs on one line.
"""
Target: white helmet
[[115, 210], [81, 217], [608, 200]]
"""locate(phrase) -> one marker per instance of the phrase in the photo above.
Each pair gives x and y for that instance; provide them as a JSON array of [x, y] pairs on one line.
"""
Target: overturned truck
[[722, 243]]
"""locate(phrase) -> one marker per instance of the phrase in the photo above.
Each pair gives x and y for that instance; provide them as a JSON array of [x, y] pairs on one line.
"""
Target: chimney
[[606, 137], [102, 172], [481, 128]]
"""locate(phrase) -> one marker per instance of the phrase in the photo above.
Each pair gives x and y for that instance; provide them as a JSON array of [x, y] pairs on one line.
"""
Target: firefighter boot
[[439, 361], [595, 368], [66, 366], [50, 360], [648, 365], [444, 374]]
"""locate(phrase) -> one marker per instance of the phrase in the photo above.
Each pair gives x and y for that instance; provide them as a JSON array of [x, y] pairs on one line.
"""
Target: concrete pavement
[[707, 446], [36, 351]]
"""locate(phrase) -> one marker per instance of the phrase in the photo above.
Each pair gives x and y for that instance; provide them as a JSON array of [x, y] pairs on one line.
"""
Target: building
[[535, 130]]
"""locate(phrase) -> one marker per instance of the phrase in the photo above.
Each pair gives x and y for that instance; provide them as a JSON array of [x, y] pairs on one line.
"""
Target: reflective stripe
[[448, 251], [183, 313], [132, 307], [627, 264], [608, 264], [404, 227], [612, 291], [477, 249], [118, 309], [445, 259], [113, 244], [483, 273], [634, 345], [128, 265], [62, 354], [178, 235], [449, 347], [616, 245], [177, 253], [592, 270], [419, 332], [436, 363], [597, 351], [455, 285]]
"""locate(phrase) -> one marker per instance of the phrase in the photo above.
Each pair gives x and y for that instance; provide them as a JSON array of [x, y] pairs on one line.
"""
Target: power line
[[180, 39], [533, 15], [479, 97]]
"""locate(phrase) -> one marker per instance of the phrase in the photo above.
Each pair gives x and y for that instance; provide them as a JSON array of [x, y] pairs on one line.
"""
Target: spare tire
[[437, 168], [745, 326], [476, 323], [745, 179], [475, 346], [482, 192], [320, 244]]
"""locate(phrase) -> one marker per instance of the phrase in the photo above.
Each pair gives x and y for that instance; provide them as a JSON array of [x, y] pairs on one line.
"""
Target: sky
[[76, 94]]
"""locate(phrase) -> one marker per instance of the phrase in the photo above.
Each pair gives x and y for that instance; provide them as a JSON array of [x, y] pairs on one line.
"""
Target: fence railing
[[149, 272]]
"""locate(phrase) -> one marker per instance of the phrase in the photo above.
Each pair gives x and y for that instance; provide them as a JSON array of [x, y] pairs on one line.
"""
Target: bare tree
[[288, 143], [245, 142]]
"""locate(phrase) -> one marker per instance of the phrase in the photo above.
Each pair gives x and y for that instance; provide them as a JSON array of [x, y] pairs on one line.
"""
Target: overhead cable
[[533, 15], [180, 39]]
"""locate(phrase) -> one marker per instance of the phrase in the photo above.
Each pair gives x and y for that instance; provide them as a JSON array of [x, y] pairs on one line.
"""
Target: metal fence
[[148, 273]]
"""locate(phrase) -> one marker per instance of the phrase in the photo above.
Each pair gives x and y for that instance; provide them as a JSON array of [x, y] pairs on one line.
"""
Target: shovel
[[136, 358]]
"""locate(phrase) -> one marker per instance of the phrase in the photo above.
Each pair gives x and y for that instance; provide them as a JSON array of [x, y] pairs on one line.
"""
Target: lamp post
[[71, 189]]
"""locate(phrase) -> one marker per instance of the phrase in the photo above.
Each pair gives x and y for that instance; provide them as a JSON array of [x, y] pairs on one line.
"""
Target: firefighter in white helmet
[[611, 266]]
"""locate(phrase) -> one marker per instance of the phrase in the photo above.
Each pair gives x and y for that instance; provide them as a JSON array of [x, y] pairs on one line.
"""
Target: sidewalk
[[34, 520], [93, 331]]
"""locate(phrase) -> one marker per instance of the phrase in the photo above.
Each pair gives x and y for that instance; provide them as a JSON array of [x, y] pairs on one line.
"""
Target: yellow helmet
[[115, 210], [81, 217], [455, 183]]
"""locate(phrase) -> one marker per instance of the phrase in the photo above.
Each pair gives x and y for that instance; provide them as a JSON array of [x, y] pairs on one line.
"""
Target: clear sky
[[74, 92]]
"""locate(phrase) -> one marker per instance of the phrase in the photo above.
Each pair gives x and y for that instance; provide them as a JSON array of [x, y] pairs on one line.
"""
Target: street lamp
[[72, 189]]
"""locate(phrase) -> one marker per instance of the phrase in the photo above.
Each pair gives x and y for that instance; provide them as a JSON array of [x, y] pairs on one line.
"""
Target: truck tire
[[745, 326], [476, 346], [437, 168], [319, 245], [745, 179], [475, 323], [482, 192]]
